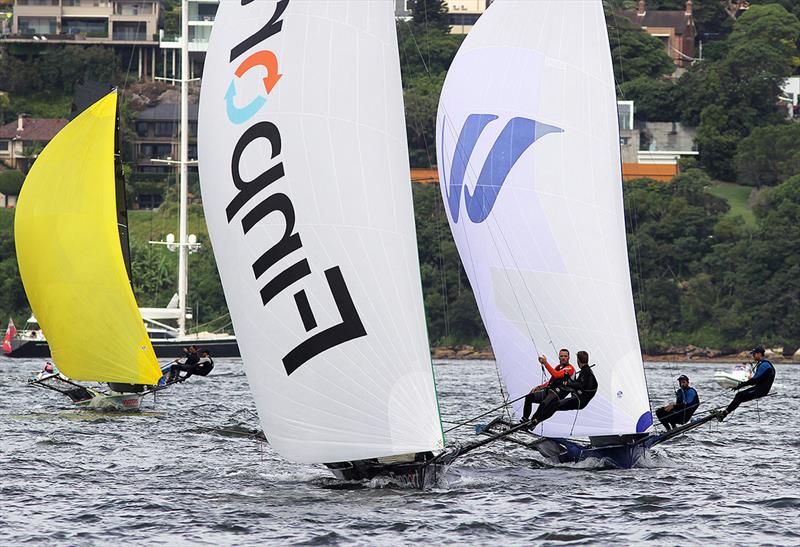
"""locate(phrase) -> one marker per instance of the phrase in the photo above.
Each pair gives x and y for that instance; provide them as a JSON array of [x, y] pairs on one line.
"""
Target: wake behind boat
[[72, 248]]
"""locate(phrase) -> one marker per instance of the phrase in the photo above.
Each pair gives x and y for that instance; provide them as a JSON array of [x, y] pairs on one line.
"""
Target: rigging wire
[[495, 409], [637, 266], [514, 291], [503, 394]]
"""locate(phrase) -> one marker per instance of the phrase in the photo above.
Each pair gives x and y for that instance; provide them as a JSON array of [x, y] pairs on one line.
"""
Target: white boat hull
[[731, 379], [122, 401]]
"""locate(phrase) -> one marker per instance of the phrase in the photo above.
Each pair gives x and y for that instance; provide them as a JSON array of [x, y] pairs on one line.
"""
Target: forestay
[[305, 179], [529, 164], [71, 258]]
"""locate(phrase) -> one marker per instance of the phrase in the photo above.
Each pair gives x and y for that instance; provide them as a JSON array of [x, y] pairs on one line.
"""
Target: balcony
[[91, 28], [143, 9], [87, 9], [173, 41], [129, 31]]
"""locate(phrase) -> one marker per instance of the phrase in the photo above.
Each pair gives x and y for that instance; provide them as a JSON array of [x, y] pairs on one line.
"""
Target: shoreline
[[470, 353]]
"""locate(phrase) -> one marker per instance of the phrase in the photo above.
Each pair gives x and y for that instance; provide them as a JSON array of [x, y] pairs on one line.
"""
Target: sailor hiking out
[[549, 391], [191, 357], [197, 362], [680, 412], [574, 393], [761, 381]]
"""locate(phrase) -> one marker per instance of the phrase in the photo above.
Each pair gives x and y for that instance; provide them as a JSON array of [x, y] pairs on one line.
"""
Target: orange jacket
[[560, 372]]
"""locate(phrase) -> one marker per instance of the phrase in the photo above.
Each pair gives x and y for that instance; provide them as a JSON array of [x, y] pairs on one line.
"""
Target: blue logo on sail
[[515, 138]]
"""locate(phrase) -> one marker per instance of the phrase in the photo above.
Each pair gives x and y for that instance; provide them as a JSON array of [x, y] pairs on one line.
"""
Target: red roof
[[33, 129]]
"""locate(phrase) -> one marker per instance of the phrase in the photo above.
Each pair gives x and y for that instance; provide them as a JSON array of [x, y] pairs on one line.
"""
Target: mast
[[121, 196], [182, 247]]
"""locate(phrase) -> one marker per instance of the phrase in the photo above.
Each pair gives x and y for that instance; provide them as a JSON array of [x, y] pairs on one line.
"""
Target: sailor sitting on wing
[[191, 358], [579, 391], [686, 402], [761, 381], [202, 367], [550, 390]]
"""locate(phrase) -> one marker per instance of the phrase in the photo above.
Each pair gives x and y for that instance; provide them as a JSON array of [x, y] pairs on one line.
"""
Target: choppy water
[[165, 477]]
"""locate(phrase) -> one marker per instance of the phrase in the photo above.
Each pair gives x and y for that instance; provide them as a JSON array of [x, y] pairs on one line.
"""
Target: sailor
[[761, 381], [191, 358], [579, 391], [686, 402], [48, 370], [549, 391], [203, 366]]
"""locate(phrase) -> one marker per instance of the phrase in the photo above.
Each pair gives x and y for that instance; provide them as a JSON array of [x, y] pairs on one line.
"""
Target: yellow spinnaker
[[70, 256]]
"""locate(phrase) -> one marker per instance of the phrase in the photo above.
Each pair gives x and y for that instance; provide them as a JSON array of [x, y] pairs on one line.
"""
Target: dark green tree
[[635, 53], [655, 99], [730, 96], [670, 229], [421, 103], [11, 182], [450, 308], [758, 275], [13, 302], [428, 14], [768, 155]]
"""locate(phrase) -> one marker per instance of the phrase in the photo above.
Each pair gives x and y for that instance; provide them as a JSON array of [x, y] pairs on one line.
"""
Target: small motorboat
[[731, 378]]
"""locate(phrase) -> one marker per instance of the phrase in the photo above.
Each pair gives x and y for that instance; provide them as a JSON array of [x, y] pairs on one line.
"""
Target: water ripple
[[190, 470]]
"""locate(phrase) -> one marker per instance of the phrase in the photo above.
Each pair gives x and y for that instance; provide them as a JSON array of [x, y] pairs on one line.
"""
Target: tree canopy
[[769, 155], [635, 53], [429, 14], [730, 96]]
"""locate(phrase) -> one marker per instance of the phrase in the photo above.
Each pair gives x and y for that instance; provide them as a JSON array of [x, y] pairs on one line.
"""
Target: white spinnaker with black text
[[337, 358], [529, 164]]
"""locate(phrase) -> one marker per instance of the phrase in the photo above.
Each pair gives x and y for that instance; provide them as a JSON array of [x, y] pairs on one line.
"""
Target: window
[[207, 12], [154, 169], [165, 129], [37, 25], [155, 150], [163, 151], [625, 114], [130, 30], [94, 28], [141, 129], [4, 146], [149, 201], [462, 19]]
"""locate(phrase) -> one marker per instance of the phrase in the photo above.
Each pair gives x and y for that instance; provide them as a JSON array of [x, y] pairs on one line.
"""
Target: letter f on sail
[[515, 138]]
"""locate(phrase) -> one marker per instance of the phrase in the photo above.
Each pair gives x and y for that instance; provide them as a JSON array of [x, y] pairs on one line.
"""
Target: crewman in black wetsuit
[[686, 402], [191, 358], [203, 366], [761, 382], [549, 391], [578, 392]]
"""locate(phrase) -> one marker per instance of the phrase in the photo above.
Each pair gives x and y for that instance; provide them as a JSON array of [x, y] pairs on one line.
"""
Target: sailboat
[[72, 247], [305, 180], [530, 173]]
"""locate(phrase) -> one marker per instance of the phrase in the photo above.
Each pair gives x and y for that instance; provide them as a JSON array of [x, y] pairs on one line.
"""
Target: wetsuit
[[579, 391], [761, 382], [550, 391], [686, 402], [202, 368], [187, 365]]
